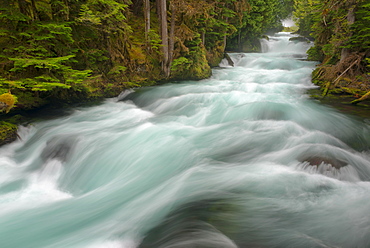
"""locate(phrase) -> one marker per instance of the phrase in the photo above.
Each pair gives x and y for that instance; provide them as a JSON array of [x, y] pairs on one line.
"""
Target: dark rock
[[317, 160], [58, 148], [300, 39], [229, 60]]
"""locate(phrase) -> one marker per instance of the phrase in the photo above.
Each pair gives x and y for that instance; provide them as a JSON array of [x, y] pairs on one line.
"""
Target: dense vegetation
[[68, 50], [341, 30]]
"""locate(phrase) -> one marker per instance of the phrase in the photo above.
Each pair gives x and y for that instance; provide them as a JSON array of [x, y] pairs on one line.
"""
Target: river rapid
[[243, 159]]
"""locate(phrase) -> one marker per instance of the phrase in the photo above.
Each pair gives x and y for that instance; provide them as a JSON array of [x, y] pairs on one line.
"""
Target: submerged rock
[[300, 39], [58, 148], [317, 160], [197, 224]]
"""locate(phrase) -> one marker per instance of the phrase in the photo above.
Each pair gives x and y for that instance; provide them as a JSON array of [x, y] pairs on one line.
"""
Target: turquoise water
[[243, 159]]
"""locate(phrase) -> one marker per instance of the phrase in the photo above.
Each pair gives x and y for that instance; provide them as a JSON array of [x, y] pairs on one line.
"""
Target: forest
[[57, 52], [69, 49], [341, 31]]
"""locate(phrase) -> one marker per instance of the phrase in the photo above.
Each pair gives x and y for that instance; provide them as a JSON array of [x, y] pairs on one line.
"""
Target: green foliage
[[360, 29], [53, 48], [192, 62], [106, 13], [38, 51], [155, 40], [328, 23], [303, 15], [261, 16], [38, 54], [341, 32], [118, 69], [315, 53], [180, 64]]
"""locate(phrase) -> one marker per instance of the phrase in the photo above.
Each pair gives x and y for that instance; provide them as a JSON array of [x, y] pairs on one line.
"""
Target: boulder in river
[[318, 160]]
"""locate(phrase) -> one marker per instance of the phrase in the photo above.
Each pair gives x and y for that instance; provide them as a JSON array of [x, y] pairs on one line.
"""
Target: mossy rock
[[8, 132]]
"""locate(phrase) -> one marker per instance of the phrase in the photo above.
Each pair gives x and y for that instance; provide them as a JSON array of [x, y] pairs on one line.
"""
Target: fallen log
[[361, 99]]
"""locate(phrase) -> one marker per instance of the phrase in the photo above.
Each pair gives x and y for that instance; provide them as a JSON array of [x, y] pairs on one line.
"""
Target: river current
[[243, 159]]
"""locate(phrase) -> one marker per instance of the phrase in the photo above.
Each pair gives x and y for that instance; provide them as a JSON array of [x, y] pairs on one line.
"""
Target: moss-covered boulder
[[8, 132]]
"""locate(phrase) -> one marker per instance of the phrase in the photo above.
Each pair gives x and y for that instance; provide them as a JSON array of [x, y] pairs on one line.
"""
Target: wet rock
[[58, 148], [229, 60], [318, 160], [300, 39], [124, 94]]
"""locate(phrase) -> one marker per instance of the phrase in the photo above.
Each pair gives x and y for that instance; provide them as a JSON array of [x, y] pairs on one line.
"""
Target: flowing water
[[243, 159]]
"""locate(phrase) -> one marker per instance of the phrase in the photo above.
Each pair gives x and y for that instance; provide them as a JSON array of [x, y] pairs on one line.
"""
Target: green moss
[[8, 132], [352, 91], [336, 91]]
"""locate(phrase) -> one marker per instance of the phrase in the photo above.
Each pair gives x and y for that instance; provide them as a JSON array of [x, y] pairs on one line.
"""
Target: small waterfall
[[265, 45], [282, 46]]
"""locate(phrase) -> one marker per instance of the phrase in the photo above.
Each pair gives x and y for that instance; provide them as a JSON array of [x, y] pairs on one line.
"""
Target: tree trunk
[[240, 40], [204, 38], [28, 9], [351, 19], [162, 7], [225, 41], [225, 37], [147, 19], [34, 10], [171, 41]]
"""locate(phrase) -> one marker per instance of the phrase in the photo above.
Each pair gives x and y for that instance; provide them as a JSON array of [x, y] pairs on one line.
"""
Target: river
[[243, 159]]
